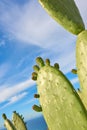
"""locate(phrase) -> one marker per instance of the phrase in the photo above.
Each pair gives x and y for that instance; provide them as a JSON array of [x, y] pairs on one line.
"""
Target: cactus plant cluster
[[17, 122], [62, 106], [60, 103]]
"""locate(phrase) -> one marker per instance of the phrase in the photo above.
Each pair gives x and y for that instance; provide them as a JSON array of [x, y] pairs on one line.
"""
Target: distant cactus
[[61, 105], [17, 122]]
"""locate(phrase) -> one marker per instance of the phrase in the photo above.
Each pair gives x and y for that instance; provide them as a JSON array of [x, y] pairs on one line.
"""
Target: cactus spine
[[17, 122], [61, 105], [66, 13]]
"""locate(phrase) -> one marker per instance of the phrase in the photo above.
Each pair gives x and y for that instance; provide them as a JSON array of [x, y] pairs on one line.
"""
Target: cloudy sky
[[27, 31]]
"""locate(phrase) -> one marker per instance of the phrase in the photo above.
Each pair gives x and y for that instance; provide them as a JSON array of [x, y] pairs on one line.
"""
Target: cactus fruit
[[81, 62], [66, 13], [61, 105], [17, 122]]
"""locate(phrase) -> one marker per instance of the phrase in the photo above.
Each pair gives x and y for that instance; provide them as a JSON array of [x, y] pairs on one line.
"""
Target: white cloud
[[31, 24], [14, 99], [25, 23], [29, 101], [7, 92]]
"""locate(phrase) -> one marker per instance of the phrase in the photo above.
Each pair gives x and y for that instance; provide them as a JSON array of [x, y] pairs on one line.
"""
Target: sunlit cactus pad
[[66, 13], [61, 105], [81, 62], [17, 122]]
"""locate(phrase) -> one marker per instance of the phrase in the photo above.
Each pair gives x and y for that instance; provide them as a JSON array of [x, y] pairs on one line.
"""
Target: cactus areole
[[61, 105], [66, 13]]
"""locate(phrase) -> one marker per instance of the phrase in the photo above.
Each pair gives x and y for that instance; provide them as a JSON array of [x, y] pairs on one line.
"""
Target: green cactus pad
[[7, 123], [66, 13], [61, 105], [81, 62], [17, 122]]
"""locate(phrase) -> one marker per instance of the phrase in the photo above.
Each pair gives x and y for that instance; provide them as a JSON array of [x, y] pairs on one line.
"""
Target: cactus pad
[[66, 13], [81, 62], [17, 122], [61, 105]]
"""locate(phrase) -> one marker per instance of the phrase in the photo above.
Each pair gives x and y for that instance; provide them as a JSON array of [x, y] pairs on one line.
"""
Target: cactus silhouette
[[17, 122], [60, 103], [66, 13]]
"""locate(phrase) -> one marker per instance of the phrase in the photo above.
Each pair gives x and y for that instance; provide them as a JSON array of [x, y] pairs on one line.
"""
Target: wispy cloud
[[25, 23], [4, 68], [7, 92], [29, 101], [14, 99]]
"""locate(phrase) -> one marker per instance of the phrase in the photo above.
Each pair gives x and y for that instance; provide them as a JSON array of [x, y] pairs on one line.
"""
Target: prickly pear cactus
[[60, 103], [66, 13], [7, 123], [81, 62], [17, 122]]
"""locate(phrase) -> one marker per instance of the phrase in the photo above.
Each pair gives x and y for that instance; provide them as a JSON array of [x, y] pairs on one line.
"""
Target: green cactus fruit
[[66, 13], [17, 122], [61, 105], [81, 62]]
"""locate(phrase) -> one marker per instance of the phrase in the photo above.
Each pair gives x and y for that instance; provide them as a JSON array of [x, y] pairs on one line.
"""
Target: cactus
[[61, 105], [66, 13], [17, 122], [81, 61]]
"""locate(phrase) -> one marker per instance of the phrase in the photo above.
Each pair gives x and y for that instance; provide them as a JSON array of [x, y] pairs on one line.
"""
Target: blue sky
[[27, 31]]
